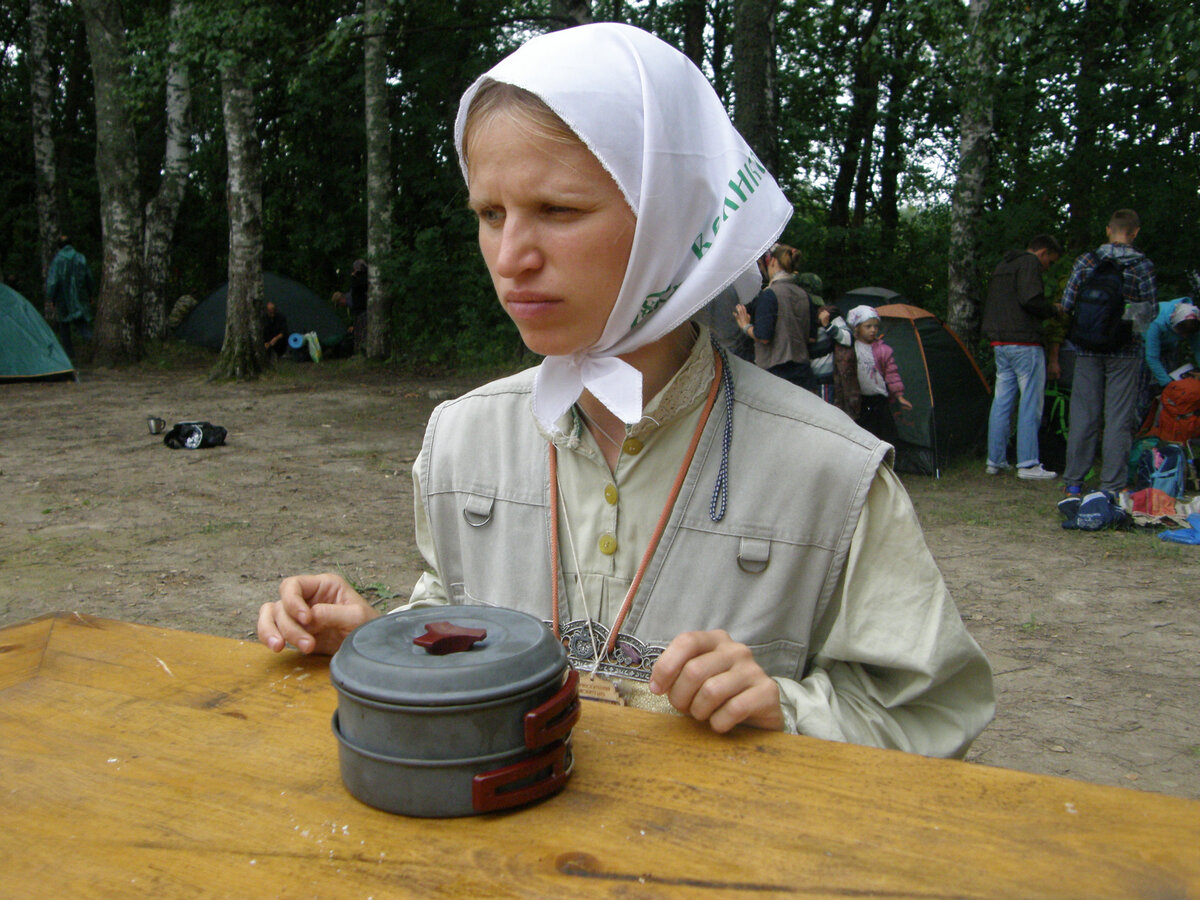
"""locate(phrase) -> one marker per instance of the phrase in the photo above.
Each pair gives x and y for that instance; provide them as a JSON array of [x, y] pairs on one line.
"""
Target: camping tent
[[304, 310], [868, 296], [949, 394], [29, 351]]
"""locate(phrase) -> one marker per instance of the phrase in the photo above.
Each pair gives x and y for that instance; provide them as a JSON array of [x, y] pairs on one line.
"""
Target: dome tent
[[304, 309], [29, 349], [950, 397]]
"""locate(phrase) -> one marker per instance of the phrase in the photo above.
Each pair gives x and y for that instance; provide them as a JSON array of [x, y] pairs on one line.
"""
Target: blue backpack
[[1164, 468], [1097, 322], [1095, 512]]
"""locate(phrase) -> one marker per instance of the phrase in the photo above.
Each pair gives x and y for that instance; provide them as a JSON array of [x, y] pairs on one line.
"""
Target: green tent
[[305, 311], [950, 397], [29, 350]]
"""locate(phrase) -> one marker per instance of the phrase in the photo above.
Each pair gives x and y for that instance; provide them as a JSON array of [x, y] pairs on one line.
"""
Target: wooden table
[[138, 761]]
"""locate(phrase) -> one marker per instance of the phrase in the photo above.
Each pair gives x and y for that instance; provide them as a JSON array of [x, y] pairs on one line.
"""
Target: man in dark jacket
[[275, 330], [1012, 321]]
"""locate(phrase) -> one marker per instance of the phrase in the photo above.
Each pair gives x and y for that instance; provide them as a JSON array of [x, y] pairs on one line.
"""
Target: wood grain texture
[[138, 761]]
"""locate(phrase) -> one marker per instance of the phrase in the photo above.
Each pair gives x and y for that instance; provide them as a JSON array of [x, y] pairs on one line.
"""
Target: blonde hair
[[522, 108]]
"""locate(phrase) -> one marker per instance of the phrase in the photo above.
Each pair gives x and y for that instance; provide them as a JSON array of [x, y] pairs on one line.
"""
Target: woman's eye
[[490, 215]]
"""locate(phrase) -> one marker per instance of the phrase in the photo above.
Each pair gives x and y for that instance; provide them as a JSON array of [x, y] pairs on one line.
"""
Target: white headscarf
[[861, 314], [706, 208], [1182, 312]]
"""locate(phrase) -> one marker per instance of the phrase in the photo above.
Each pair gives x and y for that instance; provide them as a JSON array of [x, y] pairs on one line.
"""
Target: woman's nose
[[519, 251]]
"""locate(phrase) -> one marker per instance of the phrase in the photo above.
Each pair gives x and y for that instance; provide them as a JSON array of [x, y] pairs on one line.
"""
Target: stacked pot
[[454, 711]]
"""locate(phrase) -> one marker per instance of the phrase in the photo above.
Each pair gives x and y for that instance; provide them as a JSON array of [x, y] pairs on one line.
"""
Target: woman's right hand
[[314, 613]]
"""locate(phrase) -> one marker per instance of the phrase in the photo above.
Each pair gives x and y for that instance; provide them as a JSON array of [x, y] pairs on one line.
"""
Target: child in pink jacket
[[878, 377]]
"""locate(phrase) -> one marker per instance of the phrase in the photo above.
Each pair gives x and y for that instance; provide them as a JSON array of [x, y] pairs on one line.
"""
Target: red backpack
[[1176, 416]]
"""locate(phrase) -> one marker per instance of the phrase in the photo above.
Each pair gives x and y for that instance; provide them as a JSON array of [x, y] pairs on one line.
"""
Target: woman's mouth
[[529, 304]]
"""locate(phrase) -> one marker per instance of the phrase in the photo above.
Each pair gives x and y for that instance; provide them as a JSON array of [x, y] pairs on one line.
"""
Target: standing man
[[1013, 313], [69, 289], [1108, 353]]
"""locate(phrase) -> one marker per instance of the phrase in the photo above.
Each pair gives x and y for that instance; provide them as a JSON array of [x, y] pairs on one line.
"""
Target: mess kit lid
[[380, 661]]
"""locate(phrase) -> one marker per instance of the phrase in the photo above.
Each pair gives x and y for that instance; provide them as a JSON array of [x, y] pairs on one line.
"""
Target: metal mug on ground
[[155, 424]]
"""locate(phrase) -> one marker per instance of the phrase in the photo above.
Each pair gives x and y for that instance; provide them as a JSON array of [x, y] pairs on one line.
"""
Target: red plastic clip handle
[[488, 792], [555, 718], [441, 638]]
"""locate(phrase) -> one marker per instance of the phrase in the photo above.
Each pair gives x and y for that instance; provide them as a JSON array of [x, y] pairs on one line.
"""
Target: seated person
[[641, 490], [275, 330], [1175, 329]]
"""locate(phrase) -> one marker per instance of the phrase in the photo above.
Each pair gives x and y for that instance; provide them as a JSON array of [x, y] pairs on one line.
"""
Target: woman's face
[[554, 229]]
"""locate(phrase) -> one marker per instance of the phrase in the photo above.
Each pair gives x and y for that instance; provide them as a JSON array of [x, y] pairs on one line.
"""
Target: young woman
[[707, 536], [778, 320]]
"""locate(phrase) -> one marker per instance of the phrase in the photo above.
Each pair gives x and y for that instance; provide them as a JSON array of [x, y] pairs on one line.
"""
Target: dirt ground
[[1095, 638]]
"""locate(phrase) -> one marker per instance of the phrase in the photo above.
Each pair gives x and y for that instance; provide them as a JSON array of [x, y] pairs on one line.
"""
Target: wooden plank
[[123, 787], [21, 649]]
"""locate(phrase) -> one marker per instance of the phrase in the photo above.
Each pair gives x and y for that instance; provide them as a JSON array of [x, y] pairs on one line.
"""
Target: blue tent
[[29, 350]]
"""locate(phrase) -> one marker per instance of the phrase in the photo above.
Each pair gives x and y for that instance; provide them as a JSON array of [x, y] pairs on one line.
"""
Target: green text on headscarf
[[741, 186]]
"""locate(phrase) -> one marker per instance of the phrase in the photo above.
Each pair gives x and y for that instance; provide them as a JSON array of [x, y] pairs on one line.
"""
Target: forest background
[[183, 143]]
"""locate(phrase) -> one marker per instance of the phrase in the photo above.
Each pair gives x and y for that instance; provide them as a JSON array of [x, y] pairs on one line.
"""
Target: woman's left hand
[[711, 677], [742, 315]]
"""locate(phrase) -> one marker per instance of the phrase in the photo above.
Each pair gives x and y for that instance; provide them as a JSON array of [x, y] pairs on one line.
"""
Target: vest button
[[632, 446], [608, 544], [610, 494]]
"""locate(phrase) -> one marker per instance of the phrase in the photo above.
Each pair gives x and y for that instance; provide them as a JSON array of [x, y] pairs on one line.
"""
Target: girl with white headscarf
[[712, 539]]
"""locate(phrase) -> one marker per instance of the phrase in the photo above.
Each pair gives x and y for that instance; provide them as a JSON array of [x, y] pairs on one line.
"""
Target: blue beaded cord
[[716, 509]]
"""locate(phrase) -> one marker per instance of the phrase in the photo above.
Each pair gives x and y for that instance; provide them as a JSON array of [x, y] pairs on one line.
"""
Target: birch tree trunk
[[163, 210], [754, 78], [974, 158], [118, 307], [41, 86], [379, 180], [242, 354]]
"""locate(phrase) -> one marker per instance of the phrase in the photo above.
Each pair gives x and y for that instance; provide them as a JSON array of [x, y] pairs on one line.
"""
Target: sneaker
[[995, 470], [1037, 473], [1073, 490]]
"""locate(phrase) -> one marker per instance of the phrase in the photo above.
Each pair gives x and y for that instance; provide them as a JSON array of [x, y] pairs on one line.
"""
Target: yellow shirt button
[[608, 544], [632, 446], [610, 494]]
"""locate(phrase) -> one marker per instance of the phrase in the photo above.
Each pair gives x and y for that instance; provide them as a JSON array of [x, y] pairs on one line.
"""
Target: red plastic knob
[[441, 638]]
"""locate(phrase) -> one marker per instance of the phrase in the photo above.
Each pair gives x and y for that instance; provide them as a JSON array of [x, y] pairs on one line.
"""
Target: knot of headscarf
[[706, 207]]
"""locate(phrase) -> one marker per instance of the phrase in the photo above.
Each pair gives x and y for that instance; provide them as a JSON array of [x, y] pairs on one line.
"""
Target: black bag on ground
[[1097, 320], [194, 435]]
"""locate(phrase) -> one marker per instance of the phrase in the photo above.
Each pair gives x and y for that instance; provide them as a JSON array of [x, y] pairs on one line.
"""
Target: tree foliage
[[1094, 106]]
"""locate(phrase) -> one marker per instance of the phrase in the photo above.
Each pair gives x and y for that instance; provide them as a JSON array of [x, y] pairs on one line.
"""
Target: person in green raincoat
[[69, 289]]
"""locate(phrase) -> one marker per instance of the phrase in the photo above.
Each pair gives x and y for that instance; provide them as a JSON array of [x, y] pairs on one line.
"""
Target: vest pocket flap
[[478, 510], [753, 555]]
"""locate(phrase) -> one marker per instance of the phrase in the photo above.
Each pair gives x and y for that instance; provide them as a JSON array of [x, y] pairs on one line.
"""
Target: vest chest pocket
[[477, 511]]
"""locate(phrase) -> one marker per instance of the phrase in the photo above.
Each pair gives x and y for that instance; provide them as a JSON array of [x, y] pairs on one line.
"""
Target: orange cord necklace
[[658, 530]]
